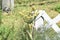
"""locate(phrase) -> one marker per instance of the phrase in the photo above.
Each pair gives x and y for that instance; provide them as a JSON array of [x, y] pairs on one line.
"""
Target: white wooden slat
[[56, 19], [12, 4], [38, 23], [56, 28], [5, 3], [46, 17], [8, 3]]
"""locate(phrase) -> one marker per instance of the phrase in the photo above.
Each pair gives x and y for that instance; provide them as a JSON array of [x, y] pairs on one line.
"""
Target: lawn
[[15, 26]]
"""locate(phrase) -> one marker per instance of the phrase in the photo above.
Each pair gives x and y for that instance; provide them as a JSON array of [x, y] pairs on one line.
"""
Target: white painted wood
[[46, 17], [12, 4], [50, 22], [56, 28], [38, 23], [8, 3], [57, 18], [5, 3]]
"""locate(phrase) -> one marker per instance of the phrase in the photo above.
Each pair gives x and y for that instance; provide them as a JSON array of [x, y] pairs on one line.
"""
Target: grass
[[57, 8], [14, 26]]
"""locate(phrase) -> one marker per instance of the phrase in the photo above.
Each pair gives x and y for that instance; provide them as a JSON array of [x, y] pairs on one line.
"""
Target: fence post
[[12, 4], [7, 5]]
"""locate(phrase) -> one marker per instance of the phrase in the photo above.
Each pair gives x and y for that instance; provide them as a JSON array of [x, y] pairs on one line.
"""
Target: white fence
[[50, 22]]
